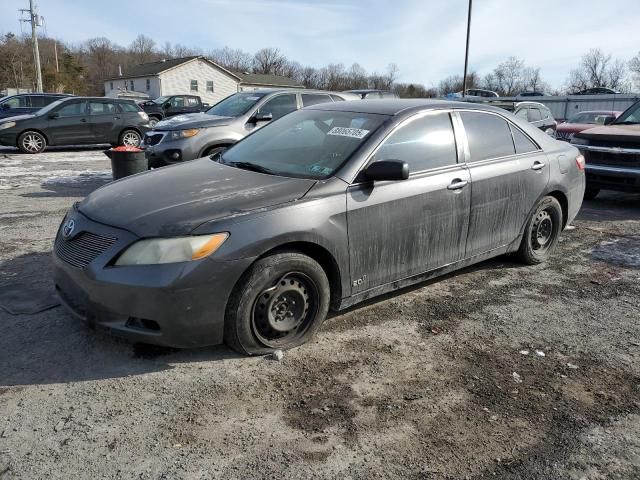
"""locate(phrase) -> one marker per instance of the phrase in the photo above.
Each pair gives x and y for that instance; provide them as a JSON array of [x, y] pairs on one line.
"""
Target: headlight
[[7, 125], [579, 141], [178, 134], [144, 115], [171, 250]]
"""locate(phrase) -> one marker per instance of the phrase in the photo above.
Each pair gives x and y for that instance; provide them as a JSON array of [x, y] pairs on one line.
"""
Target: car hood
[[15, 118], [193, 120], [574, 127], [622, 133], [173, 201]]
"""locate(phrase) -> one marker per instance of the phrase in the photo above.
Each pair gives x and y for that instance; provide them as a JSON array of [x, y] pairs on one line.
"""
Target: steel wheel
[[283, 312], [542, 231], [130, 138], [32, 142]]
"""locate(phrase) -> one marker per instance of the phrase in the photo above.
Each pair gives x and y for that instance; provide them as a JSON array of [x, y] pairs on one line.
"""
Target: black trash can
[[126, 161]]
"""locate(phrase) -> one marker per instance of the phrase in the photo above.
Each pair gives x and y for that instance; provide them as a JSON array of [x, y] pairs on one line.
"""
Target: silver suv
[[196, 135]]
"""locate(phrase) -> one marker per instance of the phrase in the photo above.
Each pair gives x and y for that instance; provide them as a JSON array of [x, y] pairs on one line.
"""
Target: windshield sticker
[[319, 169], [348, 132]]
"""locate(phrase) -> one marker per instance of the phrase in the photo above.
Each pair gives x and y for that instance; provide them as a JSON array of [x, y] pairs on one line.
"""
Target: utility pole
[[466, 54], [35, 22], [55, 52]]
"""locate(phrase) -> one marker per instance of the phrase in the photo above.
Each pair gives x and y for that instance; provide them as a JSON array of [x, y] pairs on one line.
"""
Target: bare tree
[[634, 66], [143, 49], [597, 69], [268, 61], [532, 80], [508, 75], [232, 59]]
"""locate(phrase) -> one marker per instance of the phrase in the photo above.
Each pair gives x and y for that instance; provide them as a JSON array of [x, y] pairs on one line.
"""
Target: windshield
[[630, 115], [50, 106], [160, 100], [235, 105], [304, 144], [595, 118]]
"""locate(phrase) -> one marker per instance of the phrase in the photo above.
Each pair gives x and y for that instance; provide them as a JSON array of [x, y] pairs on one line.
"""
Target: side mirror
[[608, 120], [54, 115], [387, 170], [263, 117]]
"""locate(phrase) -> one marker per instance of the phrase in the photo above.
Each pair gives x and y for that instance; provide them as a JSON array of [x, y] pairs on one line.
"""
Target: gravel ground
[[499, 371]]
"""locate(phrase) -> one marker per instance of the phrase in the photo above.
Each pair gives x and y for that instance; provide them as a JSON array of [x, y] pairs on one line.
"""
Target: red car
[[584, 120]]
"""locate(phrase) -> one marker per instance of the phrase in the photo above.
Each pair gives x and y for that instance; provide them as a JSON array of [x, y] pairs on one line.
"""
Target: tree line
[[82, 68]]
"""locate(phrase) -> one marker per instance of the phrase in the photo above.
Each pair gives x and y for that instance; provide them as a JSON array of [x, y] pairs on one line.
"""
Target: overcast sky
[[425, 38]]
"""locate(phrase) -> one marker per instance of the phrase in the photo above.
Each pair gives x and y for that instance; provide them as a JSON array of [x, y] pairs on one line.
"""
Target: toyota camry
[[319, 210]]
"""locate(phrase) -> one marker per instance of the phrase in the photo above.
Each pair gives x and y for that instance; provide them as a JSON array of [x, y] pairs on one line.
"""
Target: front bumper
[[165, 152], [178, 305], [612, 168], [8, 138]]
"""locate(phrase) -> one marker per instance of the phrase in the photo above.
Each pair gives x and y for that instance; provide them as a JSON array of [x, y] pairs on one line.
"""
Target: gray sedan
[[321, 209]]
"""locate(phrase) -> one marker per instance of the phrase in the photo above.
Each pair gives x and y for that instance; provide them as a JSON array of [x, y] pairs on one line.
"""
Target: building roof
[[262, 79], [156, 68]]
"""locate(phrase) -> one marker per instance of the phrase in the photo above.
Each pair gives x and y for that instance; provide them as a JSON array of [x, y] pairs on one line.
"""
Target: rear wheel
[[32, 142], [590, 193], [541, 232], [279, 303], [130, 138], [153, 121]]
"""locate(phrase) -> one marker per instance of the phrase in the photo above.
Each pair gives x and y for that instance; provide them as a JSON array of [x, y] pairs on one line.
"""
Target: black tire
[[209, 152], [590, 193], [153, 121], [541, 232], [262, 314], [32, 142], [128, 138]]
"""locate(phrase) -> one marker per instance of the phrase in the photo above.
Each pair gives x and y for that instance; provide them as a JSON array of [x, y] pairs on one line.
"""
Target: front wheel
[[279, 303], [32, 142], [130, 138], [541, 232]]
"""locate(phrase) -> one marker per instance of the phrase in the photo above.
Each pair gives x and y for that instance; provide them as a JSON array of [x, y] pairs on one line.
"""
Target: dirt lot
[[431, 383]]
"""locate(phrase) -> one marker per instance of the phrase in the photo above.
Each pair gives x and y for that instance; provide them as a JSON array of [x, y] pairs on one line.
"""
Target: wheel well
[[32, 130], [209, 147], [320, 255], [155, 115], [564, 203]]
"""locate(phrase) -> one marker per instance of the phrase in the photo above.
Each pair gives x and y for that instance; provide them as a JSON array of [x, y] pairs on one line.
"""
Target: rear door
[[402, 228], [509, 173], [104, 118], [71, 124]]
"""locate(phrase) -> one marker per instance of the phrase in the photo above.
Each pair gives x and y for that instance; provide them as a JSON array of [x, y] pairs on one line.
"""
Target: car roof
[[400, 106]]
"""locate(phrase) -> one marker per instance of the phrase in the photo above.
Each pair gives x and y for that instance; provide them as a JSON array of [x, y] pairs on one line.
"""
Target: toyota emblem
[[68, 228]]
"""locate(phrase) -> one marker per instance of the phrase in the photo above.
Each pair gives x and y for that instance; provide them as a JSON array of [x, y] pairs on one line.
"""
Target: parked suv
[[612, 153], [535, 113], [76, 121], [187, 137], [27, 103], [169, 106]]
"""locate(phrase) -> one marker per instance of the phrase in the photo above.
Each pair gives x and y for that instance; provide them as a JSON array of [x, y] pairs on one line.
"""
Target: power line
[[36, 21]]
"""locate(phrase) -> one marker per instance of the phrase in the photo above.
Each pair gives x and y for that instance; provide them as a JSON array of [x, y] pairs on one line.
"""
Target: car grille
[[83, 249], [614, 159], [566, 136], [153, 139]]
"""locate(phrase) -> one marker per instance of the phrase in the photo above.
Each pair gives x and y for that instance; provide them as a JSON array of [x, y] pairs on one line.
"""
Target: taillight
[[580, 162]]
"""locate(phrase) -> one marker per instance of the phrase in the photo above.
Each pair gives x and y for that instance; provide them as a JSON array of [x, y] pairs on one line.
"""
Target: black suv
[[76, 121], [168, 106], [27, 103]]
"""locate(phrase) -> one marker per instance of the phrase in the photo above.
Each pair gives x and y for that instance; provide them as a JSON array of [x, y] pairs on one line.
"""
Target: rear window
[[534, 115], [489, 136]]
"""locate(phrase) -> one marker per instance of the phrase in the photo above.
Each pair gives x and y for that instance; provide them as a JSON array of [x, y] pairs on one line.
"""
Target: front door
[[509, 173], [69, 124], [403, 228]]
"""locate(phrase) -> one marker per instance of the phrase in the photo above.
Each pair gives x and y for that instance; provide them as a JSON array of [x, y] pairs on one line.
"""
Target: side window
[[192, 102], [39, 101], [128, 107], [373, 96], [101, 108], [72, 109], [424, 143], [177, 102], [194, 85], [16, 102], [534, 115], [314, 99], [336, 98], [522, 142], [280, 105], [522, 113], [488, 135]]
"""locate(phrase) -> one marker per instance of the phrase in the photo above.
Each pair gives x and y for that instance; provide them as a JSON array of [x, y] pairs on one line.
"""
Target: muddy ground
[[429, 383]]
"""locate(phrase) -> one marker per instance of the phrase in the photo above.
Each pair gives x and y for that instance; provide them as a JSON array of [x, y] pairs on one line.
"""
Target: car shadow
[[608, 206], [52, 347], [67, 148], [79, 185]]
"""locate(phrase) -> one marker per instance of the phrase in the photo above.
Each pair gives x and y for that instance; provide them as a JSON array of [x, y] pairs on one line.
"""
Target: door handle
[[457, 184], [537, 165]]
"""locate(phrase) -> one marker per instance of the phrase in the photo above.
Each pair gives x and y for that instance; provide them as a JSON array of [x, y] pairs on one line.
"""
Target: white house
[[190, 75]]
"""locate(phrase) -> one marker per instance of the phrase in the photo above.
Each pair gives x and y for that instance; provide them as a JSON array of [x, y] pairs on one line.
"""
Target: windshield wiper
[[251, 166]]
